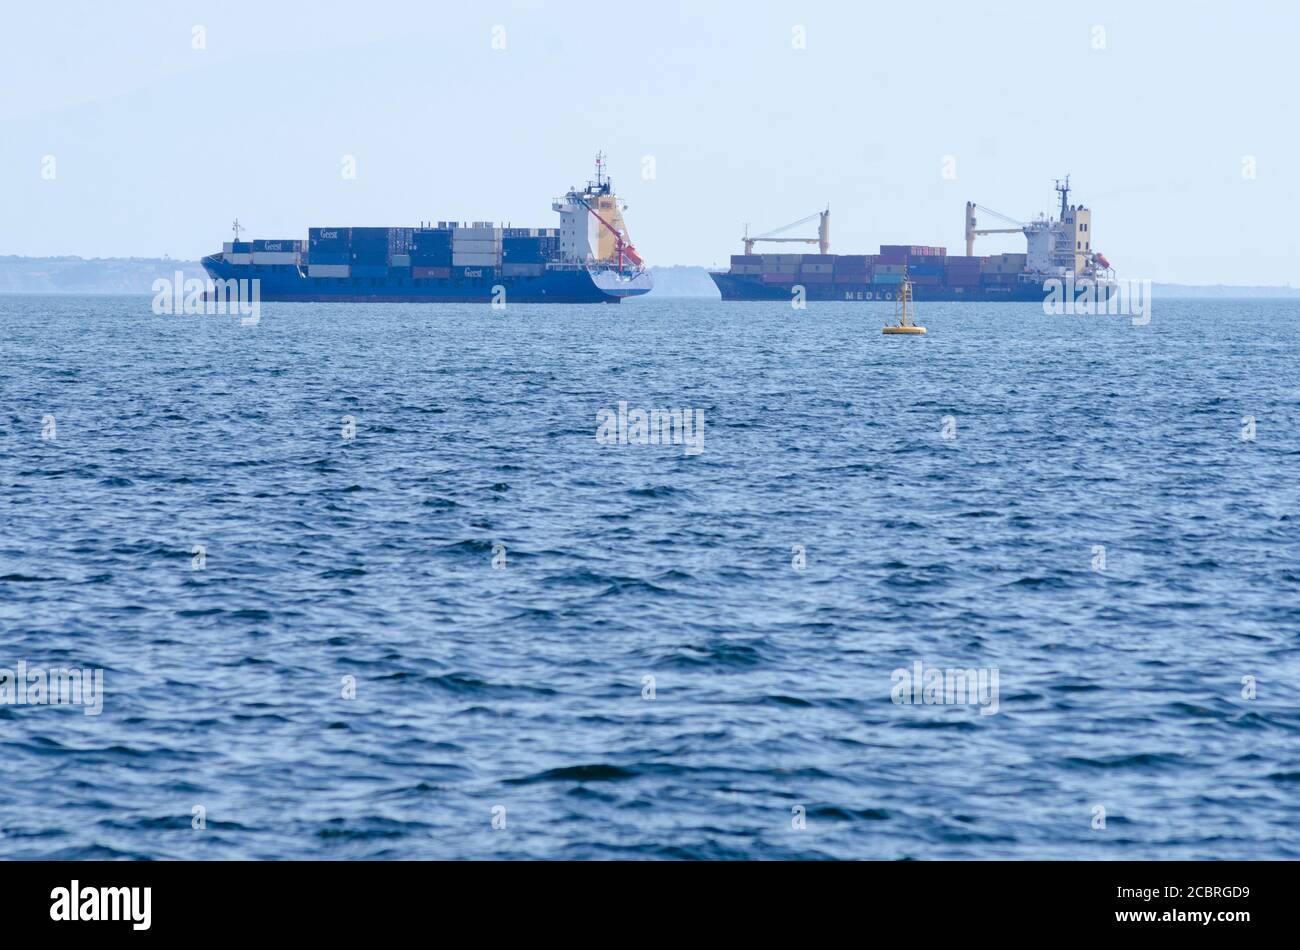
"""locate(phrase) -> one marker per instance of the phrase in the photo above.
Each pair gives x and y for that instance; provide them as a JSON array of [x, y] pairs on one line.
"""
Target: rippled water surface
[[525, 688]]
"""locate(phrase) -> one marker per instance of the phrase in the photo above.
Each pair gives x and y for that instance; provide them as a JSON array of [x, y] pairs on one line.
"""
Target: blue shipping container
[[431, 248], [431, 239], [524, 250], [278, 246], [341, 236]]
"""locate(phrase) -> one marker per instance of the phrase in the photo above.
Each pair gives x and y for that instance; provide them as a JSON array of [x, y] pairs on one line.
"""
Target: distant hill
[[98, 275], [683, 280]]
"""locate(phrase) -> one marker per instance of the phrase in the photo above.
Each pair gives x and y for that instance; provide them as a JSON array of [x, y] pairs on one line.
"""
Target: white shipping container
[[401, 260], [477, 247], [474, 260], [463, 235], [329, 270], [239, 258], [274, 257]]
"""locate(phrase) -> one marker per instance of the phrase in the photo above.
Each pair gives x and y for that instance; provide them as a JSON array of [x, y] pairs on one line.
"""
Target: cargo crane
[[972, 231], [822, 240], [621, 245]]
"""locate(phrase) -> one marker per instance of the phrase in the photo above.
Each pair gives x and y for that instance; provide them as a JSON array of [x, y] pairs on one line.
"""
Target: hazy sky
[[1180, 132]]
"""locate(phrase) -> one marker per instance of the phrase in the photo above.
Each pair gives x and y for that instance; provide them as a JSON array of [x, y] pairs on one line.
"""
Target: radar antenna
[[1064, 191]]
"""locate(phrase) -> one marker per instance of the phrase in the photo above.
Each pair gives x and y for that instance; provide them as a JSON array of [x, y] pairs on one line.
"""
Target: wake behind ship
[[587, 259]]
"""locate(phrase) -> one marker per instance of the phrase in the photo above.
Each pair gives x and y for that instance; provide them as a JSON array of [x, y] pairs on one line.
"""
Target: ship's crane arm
[[787, 227], [972, 232], [621, 244], [823, 238]]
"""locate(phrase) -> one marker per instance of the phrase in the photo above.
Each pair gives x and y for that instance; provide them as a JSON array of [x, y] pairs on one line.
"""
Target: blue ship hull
[[287, 282]]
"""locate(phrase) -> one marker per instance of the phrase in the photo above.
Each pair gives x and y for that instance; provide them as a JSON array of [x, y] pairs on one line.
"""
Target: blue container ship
[[589, 258]]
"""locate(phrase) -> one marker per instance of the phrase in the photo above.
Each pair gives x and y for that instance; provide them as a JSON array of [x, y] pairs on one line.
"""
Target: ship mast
[[1064, 191]]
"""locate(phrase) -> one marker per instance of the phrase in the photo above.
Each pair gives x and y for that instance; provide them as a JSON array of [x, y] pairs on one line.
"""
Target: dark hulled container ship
[[587, 259], [1059, 249]]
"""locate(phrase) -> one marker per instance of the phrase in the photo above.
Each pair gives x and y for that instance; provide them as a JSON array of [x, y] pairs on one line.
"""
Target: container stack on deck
[[275, 252], [880, 274], [525, 251], [451, 249], [963, 272]]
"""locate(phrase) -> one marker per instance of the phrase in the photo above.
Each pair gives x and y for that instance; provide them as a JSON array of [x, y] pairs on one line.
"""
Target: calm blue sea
[[470, 630]]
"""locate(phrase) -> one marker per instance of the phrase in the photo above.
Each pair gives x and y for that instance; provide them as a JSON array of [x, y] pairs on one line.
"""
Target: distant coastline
[[135, 275], [94, 275]]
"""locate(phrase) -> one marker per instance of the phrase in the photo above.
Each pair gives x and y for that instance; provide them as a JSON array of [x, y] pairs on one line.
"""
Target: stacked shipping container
[[275, 252], [853, 269], [475, 250], [962, 271], [329, 252], [476, 247], [430, 253], [923, 265]]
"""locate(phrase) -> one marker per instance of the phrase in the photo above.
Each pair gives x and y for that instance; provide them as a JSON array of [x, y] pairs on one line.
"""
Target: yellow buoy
[[904, 312]]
